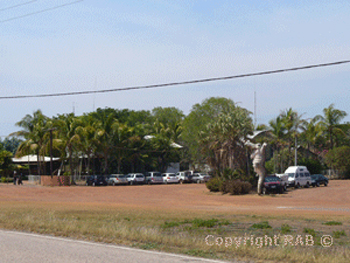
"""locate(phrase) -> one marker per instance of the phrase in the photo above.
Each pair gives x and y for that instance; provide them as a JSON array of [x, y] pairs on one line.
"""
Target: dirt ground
[[331, 200]]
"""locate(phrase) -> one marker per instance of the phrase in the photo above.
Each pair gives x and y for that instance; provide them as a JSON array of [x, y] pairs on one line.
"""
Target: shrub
[[261, 225], [285, 228], [332, 223], [237, 187], [338, 234], [214, 184], [6, 180], [310, 231], [204, 223]]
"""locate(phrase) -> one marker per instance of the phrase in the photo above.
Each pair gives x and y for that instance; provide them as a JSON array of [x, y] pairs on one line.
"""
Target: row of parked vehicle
[[294, 176], [148, 178]]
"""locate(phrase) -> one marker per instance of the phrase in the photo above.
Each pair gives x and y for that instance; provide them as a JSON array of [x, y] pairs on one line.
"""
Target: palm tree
[[278, 131], [331, 121], [88, 140], [222, 140], [292, 121], [311, 133], [68, 137], [105, 125], [121, 135], [34, 130]]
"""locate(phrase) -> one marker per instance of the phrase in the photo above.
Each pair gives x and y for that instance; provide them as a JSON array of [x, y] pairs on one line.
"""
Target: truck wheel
[[325, 184]]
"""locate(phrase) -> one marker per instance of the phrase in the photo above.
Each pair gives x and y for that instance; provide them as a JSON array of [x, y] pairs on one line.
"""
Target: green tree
[[338, 159], [88, 141], [331, 122], [34, 127], [68, 138], [197, 121], [222, 142], [105, 128]]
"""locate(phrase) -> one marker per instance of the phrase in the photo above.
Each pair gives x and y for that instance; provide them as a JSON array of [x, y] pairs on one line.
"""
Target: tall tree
[[34, 127], [222, 141], [331, 121], [197, 121], [68, 138]]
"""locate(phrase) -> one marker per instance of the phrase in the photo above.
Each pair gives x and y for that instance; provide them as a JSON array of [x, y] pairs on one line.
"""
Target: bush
[[6, 180], [235, 187], [214, 184], [261, 225]]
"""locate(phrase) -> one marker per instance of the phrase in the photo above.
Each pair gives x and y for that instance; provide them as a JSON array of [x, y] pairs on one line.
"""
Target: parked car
[[272, 184], [200, 178], [154, 178], [298, 176], [318, 179], [184, 177], [96, 180], [135, 178], [170, 178], [117, 179], [284, 180]]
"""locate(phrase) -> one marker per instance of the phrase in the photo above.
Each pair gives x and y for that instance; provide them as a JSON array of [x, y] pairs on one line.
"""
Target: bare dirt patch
[[331, 200]]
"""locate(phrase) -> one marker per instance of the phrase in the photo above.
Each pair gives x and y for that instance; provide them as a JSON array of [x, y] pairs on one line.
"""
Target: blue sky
[[94, 45]]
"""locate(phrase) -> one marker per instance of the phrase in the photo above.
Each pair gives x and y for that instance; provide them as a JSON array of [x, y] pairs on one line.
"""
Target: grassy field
[[197, 233]]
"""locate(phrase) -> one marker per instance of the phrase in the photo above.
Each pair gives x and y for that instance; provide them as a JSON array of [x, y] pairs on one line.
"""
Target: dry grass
[[177, 231]]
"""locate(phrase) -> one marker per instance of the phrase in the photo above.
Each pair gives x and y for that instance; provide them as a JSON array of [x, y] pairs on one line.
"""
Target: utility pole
[[255, 109]]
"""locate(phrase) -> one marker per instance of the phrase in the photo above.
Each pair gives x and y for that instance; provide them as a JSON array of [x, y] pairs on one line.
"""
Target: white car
[[117, 179], [170, 178], [200, 178], [135, 178]]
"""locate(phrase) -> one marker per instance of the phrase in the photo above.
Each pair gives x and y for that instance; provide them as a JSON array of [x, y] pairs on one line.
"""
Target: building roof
[[32, 159]]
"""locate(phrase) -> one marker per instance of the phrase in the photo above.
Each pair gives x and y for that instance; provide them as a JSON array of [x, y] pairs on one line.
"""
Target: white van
[[298, 176]]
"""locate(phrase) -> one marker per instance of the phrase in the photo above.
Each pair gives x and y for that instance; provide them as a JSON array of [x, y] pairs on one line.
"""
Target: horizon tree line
[[211, 135]]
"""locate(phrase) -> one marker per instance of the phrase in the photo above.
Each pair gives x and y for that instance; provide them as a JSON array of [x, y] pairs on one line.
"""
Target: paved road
[[31, 248]]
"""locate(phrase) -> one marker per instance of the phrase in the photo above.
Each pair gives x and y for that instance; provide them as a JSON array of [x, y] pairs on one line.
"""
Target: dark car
[[272, 184], [318, 179], [96, 180]]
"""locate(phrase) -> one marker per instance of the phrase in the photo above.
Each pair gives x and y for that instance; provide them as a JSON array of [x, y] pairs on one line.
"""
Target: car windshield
[[121, 176], [157, 174], [291, 175], [314, 176], [271, 179], [139, 176]]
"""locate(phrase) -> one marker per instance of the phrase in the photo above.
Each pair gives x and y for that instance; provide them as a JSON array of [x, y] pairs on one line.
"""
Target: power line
[[40, 11], [176, 83], [18, 5]]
